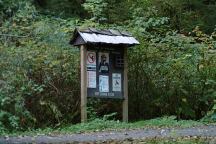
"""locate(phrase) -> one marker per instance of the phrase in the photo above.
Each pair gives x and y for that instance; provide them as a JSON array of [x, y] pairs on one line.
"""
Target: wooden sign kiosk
[[104, 65]]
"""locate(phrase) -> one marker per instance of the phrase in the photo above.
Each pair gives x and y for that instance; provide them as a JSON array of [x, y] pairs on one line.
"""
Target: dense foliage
[[172, 72]]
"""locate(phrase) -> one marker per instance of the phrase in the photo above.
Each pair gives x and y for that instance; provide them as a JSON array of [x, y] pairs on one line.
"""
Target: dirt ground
[[104, 137]]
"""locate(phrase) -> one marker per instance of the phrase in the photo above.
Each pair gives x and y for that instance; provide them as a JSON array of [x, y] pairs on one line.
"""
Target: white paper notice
[[91, 79], [103, 83], [116, 82]]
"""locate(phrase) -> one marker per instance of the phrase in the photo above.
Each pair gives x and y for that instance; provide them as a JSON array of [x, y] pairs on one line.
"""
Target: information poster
[[91, 60], [103, 62], [103, 83], [92, 81], [116, 82]]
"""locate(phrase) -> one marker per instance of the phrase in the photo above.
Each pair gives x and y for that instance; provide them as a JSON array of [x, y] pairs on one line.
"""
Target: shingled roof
[[95, 36]]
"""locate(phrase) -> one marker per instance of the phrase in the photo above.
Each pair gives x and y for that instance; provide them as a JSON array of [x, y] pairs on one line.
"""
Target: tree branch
[[9, 35]]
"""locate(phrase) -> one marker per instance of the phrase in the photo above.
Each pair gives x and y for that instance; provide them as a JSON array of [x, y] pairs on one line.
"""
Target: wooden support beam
[[83, 83], [125, 101]]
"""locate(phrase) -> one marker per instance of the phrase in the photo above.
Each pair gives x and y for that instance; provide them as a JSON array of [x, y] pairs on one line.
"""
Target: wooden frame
[[125, 101], [96, 82], [83, 51]]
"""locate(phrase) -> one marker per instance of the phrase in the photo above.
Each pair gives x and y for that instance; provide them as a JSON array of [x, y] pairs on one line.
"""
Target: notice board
[[105, 72]]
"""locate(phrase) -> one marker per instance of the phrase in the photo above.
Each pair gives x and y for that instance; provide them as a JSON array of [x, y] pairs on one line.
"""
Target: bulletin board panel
[[105, 72]]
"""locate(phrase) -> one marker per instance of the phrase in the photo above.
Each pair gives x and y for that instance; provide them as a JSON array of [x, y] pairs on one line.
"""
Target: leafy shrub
[[39, 72], [96, 9], [170, 73]]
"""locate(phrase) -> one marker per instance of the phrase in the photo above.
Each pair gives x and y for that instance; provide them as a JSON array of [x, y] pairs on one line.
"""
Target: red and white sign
[[91, 60], [91, 57]]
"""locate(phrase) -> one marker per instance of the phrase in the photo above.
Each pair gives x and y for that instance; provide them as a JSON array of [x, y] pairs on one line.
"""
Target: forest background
[[172, 71]]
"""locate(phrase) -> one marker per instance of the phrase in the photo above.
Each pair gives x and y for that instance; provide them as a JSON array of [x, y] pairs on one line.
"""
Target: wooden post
[[125, 101], [83, 83]]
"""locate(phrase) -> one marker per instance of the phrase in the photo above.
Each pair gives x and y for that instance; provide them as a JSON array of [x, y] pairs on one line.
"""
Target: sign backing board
[[109, 76]]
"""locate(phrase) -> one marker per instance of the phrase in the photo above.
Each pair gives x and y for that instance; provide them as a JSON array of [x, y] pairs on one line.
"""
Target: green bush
[[39, 72], [170, 73]]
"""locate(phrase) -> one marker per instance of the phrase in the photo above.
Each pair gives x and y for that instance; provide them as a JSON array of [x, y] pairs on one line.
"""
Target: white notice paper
[[116, 82], [103, 83], [91, 75]]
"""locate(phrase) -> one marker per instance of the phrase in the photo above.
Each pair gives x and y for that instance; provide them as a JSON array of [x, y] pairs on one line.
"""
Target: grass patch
[[167, 122], [106, 125], [100, 125]]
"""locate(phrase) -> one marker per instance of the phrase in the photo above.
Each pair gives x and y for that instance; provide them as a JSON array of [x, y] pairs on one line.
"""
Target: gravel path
[[204, 131]]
